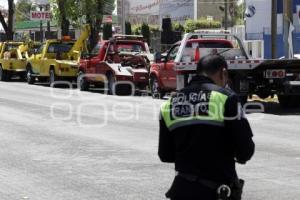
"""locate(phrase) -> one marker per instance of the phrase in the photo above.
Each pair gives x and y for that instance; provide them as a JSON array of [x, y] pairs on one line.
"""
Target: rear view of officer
[[204, 132]]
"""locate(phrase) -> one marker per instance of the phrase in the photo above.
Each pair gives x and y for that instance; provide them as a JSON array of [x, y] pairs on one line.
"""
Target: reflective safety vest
[[206, 109]]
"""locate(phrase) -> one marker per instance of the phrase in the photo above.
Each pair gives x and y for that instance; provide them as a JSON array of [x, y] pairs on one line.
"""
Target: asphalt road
[[59, 144]]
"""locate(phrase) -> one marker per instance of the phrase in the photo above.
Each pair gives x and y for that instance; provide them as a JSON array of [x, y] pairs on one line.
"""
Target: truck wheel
[[3, 74], [156, 92], [84, 85], [289, 101], [52, 78], [30, 78]]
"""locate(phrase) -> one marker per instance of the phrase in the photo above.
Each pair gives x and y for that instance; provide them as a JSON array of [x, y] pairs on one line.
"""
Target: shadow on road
[[275, 109]]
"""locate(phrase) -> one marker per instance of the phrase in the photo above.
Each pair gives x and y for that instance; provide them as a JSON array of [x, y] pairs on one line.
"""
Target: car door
[[168, 70], [96, 62], [36, 60]]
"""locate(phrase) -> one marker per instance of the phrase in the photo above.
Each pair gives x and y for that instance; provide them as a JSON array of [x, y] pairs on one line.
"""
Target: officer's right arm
[[166, 149], [240, 130]]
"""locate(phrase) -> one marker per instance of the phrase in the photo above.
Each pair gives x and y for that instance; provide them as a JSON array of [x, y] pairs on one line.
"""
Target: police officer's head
[[214, 67]]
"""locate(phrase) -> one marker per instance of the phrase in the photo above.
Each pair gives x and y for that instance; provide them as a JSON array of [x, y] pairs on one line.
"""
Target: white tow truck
[[247, 76]]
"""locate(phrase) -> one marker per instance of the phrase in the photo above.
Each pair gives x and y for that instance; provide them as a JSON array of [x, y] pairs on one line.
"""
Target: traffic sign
[[107, 19], [40, 15]]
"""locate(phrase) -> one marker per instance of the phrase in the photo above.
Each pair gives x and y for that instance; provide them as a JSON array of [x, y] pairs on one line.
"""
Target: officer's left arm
[[166, 148]]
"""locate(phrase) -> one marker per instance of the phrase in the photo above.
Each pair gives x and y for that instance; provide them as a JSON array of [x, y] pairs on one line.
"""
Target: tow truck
[[12, 60], [247, 76], [120, 65], [162, 73], [57, 60]]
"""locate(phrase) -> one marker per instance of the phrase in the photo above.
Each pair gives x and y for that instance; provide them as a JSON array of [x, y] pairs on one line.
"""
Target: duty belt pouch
[[232, 192], [237, 189]]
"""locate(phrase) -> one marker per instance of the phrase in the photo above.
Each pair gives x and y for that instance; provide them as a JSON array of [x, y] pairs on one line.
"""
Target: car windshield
[[9, 47], [131, 47], [60, 47], [96, 49]]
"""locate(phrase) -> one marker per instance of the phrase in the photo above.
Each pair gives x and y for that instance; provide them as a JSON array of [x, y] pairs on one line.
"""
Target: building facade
[[258, 25]]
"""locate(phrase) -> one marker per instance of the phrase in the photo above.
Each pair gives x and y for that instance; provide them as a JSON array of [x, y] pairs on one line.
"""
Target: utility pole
[[226, 14], [41, 26], [195, 10], [123, 17], [274, 29], [48, 22], [287, 20]]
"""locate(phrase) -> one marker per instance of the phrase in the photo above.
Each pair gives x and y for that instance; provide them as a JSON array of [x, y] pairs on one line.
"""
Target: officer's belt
[[194, 178]]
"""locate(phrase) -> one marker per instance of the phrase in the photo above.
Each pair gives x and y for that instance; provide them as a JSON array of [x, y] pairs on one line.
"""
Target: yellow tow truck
[[57, 60], [13, 60]]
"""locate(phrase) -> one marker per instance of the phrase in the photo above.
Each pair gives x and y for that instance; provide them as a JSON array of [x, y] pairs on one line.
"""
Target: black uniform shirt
[[206, 149]]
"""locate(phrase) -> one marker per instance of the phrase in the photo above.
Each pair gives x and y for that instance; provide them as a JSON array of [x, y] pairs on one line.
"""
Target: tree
[[77, 12], [8, 26], [178, 27], [23, 8], [107, 31], [146, 32], [128, 29]]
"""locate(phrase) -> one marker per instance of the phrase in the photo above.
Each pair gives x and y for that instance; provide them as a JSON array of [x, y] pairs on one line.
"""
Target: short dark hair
[[211, 64]]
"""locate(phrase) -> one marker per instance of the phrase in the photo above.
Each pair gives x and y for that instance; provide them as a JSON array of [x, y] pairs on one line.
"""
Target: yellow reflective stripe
[[215, 113], [166, 112], [217, 106]]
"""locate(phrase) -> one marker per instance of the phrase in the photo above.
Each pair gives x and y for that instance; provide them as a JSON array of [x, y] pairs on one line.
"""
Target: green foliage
[[178, 27], [239, 15], [107, 31], [154, 28], [23, 8], [128, 29], [145, 31], [136, 29], [83, 11], [191, 25]]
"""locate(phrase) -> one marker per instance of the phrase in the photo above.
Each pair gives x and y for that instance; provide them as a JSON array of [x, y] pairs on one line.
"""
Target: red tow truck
[[162, 71], [247, 76], [119, 65]]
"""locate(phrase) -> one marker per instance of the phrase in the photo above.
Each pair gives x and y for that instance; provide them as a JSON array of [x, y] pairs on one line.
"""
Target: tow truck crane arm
[[80, 44]]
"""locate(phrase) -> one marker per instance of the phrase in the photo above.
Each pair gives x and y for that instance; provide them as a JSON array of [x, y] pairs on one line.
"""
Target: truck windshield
[[60, 47], [131, 47], [9, 47], [222, 47]]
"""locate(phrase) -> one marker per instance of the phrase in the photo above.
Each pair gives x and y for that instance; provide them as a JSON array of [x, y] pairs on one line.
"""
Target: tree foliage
[[107, 31], [77, 12], [128, 29], [23, 8], [145, 31], [191, 25], [178, 27]]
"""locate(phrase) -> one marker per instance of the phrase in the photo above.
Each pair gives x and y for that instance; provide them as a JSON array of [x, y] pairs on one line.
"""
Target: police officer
[[204, 132]]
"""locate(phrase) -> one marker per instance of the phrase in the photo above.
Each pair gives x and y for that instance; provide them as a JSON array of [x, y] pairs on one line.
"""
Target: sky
[[3, 3]]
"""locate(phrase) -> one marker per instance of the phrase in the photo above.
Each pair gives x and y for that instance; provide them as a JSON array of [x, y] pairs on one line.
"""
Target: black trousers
[[183, 189]]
